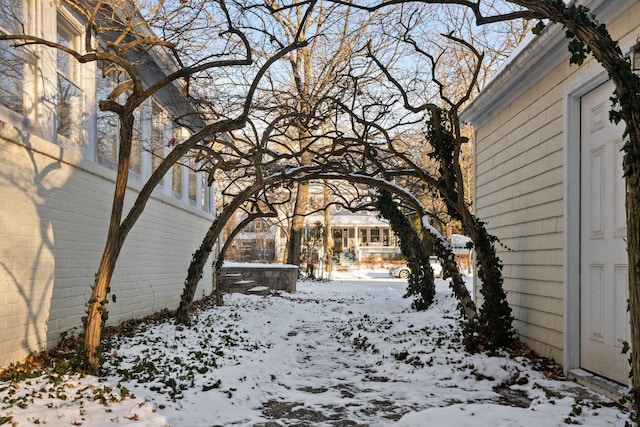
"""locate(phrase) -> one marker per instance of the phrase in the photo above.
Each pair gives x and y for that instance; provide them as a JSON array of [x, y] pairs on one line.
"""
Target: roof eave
[[543, 52], [532, 63]]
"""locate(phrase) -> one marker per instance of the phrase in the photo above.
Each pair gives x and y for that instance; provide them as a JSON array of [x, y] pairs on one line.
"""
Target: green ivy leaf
[[625, 347], [537, 30]]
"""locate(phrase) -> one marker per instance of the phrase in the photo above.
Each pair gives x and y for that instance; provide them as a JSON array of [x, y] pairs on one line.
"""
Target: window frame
[[111, 163], [77, 78], [28, 56], [155, 145], [374, 235], [192, 182]]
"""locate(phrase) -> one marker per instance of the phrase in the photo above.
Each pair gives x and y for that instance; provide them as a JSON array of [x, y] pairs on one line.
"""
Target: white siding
[[520, 191]]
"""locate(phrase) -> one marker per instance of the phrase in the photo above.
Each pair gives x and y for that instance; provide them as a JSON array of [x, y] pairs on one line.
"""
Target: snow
[[344, 352], [433, 231], [237, 264]]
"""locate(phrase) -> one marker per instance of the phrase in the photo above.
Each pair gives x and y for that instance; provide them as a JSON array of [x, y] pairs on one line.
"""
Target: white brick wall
[[54, 211]]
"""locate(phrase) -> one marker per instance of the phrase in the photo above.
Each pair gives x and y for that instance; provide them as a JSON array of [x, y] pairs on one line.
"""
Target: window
[[106, 122], [17, 74], [135, 164], [176, 179], [193, 188], [257, 226], [363, 237], [108, 125], [69, 105], [375, 235], [158, 122]]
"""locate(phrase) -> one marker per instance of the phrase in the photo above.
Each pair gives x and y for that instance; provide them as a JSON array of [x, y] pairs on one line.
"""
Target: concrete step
[[259, 290], [345, 260], [229, 278], [241, 286]]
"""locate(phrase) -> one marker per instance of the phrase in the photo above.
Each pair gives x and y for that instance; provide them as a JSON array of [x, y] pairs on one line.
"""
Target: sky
[[345, 352]]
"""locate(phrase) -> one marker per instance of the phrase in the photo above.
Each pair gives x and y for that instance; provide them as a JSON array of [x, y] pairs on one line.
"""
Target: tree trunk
[[201, 255], [457, 285], [97, 308], [328, 233], [118, 231], [195, 272], [494, 319], [294, 246], [97, 305], [217, 273], [633, 247], [421, 282]]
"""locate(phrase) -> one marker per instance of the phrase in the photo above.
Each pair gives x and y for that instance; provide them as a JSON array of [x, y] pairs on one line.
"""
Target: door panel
[[604, 321]]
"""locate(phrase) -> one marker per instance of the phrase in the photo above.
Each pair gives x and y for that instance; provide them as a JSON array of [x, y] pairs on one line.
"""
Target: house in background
[[359, 236], [263, 241], [56, 185], [548, 182]]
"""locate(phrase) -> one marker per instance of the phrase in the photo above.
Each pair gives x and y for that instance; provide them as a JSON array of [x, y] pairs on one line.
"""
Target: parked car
[[402, 271]]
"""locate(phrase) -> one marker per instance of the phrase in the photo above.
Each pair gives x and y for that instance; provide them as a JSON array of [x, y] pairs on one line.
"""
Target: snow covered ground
[[349, 352]]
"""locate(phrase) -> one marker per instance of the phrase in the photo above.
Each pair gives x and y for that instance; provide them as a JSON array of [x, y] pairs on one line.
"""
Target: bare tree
[[341, 171], [126, 45], [328, 232], [375, 152], [251, 164], [587, 37], [313, 73]]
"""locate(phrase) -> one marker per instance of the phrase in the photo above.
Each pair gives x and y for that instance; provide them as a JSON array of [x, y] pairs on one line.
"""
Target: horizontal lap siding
[[519, 194], [53, 225]]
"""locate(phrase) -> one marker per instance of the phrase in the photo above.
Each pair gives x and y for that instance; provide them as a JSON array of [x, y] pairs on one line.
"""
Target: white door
[[603, 266]]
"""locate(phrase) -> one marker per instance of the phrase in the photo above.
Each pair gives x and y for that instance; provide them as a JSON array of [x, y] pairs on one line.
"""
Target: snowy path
[[344, 353]]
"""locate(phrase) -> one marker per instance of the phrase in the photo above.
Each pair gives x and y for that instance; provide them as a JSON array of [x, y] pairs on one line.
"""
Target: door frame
[[584, 80], [580, 84]]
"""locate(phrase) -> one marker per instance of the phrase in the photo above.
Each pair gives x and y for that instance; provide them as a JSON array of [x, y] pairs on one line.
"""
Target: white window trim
[[164, 185], [83, 81], [30, 16]]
